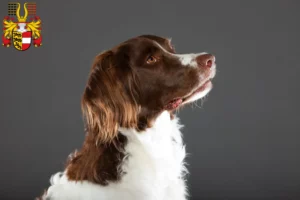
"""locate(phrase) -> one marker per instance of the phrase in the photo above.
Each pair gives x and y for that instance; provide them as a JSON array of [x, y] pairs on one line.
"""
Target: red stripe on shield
[[25, 46], [26, 34]]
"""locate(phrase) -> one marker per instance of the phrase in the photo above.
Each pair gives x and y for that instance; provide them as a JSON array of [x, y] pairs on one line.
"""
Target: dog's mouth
[[200, 89], [194, 95]]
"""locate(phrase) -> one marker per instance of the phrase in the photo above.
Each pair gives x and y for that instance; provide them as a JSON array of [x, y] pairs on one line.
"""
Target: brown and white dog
[[133, 148]]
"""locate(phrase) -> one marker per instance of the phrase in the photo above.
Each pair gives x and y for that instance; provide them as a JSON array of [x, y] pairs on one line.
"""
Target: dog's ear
[[108, 102]]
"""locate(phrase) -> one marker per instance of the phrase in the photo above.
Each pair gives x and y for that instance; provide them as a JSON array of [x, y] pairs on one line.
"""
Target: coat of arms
[[23, 30]]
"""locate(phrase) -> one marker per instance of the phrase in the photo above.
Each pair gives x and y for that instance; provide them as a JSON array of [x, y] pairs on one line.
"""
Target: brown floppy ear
[[108, 101]]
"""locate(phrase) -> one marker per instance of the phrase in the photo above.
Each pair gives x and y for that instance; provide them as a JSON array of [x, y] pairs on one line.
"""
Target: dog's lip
[[201, 88], [207, 82], [173, 104]]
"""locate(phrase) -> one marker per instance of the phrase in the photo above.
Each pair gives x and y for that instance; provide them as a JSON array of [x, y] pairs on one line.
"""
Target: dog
[[133, 149]]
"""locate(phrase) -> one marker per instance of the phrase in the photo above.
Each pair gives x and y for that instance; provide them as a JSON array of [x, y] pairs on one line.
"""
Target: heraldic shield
[[22, 40]]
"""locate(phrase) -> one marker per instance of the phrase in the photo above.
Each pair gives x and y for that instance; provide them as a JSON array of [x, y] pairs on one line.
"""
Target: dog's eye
[[151, 60]]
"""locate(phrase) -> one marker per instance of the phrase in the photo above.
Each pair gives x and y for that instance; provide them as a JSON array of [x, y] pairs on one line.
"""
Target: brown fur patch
[[98, 164]]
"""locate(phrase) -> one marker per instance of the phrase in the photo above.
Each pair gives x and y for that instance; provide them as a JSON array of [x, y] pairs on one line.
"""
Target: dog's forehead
[[143, 42], [138, 44], [155, 38], [149, 39]]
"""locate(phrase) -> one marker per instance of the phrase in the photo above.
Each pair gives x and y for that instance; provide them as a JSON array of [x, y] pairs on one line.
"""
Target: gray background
[[243, 142]]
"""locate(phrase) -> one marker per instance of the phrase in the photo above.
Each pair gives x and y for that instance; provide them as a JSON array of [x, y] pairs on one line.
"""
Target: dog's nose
[[205, 60]]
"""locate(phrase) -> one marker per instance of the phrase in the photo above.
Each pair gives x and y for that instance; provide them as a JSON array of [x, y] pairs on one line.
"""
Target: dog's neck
[[140, 164], [163, 123], [101, 163]]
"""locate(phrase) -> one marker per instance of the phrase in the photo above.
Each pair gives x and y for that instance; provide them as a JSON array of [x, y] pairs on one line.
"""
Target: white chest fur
[[154, 169]]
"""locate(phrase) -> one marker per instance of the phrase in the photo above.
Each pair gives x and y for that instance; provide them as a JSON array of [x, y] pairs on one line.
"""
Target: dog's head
[[131, 84]]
